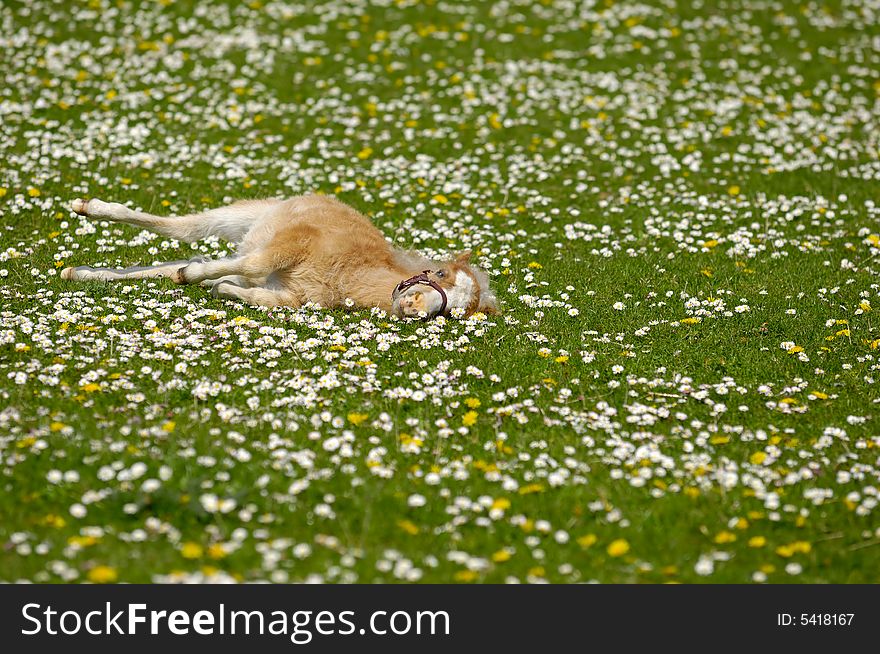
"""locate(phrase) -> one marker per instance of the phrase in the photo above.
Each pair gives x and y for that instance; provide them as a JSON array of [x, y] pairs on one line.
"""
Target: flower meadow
[[676, 202]]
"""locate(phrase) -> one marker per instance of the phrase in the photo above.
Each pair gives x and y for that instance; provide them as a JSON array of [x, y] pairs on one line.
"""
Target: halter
[[422, 278]]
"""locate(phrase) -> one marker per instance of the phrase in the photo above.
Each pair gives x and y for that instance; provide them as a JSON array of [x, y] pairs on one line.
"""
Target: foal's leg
[[238, 280], [167, 269], [256, 295], [250, 266], [230, 223]]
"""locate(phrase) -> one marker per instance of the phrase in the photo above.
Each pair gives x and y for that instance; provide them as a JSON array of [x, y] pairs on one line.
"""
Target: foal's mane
[[412, 260]]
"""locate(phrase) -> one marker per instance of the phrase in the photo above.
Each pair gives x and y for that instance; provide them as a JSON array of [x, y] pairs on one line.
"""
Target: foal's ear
[[463, 257]]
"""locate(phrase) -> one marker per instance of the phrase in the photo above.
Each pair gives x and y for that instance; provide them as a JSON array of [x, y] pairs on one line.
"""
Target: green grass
[[667, 157]]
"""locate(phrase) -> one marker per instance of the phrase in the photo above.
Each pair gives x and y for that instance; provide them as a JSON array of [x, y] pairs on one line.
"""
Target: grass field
[[676, 203]]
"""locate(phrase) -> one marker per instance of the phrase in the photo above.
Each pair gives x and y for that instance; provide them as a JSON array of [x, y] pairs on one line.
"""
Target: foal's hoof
[[179, 277], [67, 273], [80, 206]]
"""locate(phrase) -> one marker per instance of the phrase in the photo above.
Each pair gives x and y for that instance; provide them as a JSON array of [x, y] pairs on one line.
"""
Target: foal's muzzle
[[421, 279]]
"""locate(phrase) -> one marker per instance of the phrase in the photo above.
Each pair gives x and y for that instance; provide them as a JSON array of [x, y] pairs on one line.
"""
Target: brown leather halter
[[422, 278]]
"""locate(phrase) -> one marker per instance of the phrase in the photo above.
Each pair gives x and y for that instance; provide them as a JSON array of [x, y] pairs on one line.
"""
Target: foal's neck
[[373, 286]]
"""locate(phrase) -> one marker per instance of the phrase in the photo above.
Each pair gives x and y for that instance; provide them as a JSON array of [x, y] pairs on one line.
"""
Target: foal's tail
[[229, 223]]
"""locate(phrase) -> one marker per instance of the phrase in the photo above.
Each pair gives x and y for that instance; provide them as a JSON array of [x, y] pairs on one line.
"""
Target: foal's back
[[317, 229], [334, 219]]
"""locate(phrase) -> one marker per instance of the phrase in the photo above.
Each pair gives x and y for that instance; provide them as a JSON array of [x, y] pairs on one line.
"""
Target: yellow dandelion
[[103, 574], [408, 526], [55, 521], [357, 418], [191, 550], [217, 551], [537, 571], [618, 547], [785, 551], [587, 540]]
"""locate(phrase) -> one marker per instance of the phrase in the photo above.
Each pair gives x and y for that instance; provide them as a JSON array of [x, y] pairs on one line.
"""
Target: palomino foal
[[310, 248]]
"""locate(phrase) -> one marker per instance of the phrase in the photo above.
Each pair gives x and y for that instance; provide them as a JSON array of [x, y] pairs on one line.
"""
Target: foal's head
[[466, 287]]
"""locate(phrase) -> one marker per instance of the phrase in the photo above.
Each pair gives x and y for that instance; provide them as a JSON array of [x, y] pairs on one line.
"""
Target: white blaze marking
[[459, 296]]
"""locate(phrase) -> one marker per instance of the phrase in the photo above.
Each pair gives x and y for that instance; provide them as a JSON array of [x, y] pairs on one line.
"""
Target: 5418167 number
[[814, 619]]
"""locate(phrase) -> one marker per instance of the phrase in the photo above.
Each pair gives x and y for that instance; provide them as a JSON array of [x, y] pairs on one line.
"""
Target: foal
[[310, 248]]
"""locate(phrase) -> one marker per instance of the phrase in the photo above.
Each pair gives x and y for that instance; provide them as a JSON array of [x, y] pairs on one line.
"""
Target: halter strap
[[422, 278]]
